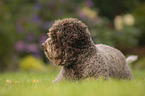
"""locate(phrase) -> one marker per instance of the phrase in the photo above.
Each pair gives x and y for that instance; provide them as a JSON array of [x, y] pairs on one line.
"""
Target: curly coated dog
[[70, 45]]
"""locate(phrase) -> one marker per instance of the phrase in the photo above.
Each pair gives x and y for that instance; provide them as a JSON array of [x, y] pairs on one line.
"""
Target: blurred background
[[24, 25]]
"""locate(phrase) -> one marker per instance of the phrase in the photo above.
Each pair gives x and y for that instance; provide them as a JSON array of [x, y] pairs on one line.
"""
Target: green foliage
[[101, 35], [126, 38], [140, 64], [30, 63], [139, 14], [7, 36], [25, 85], [6, 51], [111, 8]]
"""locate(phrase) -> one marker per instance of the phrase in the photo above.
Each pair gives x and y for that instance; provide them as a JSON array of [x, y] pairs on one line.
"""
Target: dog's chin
[[59, 63]]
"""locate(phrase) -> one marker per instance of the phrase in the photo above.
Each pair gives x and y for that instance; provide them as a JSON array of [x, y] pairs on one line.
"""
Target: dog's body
[[70, 45], [107, 62]]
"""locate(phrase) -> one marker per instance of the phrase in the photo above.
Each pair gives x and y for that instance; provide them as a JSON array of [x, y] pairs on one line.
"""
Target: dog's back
[[116, 62]]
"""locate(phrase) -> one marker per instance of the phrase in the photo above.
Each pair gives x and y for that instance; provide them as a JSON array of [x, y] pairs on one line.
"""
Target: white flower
[[128, 19], [118, 22]]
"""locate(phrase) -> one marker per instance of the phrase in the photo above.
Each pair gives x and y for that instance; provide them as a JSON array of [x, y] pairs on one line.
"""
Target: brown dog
[[70, 45]]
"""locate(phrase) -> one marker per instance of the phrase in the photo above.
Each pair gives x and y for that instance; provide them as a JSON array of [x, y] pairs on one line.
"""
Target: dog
[[70, 45]]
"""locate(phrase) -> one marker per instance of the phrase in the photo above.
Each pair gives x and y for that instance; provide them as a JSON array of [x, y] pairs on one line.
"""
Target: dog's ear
[[69, 32], [74, 35]]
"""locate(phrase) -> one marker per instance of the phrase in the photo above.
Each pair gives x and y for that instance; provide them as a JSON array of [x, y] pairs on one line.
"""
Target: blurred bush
[[122, 34], [140, 64], [112, 8], [139, 14], [30, 63]]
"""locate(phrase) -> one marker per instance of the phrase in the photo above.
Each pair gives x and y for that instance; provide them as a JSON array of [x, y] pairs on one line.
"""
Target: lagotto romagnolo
[[70, 45]]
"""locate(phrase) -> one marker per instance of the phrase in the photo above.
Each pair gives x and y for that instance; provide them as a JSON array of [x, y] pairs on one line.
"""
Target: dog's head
[[68, 38]]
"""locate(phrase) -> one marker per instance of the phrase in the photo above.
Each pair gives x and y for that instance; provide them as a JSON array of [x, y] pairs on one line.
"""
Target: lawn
[[40, 84]]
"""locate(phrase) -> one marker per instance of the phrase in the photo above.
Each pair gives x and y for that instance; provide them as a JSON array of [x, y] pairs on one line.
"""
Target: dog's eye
[[45, 50]]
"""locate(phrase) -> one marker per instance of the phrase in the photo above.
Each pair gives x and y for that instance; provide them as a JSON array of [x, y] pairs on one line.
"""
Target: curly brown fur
[[70, 45]]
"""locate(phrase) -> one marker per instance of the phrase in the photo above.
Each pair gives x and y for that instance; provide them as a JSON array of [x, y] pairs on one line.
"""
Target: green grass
[[44, 87]]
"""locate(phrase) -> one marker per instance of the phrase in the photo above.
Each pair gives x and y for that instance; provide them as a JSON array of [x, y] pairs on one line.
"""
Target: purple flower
[[32, 48], [29, 48], [20, 46]]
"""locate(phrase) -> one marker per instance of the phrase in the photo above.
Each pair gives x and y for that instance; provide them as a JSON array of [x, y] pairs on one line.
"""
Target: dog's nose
[[43, 45]]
